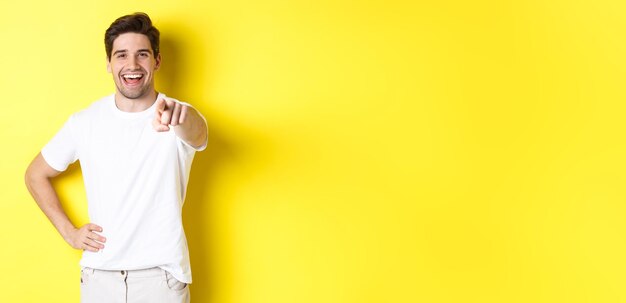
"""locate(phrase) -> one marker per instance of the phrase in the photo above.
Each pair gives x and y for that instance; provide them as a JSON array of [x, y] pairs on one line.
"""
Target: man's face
[[132, 65]]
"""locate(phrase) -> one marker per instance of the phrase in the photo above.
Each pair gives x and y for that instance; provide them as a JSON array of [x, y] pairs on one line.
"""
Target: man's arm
[[187, 122], [38, 177]]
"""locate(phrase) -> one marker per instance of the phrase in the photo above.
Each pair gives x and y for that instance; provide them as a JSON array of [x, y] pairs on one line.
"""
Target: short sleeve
[[62, 150]]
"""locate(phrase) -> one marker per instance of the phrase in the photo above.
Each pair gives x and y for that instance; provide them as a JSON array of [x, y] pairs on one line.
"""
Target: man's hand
[[168, 113], [190, 125], [85, 238]]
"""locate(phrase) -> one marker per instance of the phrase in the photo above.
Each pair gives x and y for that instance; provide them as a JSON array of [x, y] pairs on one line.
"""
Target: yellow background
[[359, 151]]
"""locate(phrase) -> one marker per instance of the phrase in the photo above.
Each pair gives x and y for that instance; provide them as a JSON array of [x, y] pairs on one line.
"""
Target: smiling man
[[135, 149]]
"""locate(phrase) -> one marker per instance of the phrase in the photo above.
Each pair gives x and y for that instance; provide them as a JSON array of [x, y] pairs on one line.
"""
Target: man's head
[[136, 23], [132, 45]]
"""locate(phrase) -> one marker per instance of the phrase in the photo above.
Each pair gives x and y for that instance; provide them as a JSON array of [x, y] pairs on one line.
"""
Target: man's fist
[[168, 113]]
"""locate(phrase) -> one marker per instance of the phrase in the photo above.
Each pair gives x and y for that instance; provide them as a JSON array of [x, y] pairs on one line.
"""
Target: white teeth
[[132, 76]]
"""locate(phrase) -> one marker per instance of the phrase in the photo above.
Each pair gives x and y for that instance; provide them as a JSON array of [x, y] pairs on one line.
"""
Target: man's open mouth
[[132, 79]]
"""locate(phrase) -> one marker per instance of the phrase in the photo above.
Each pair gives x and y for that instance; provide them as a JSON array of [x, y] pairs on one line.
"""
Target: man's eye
[[143, 55], [121, 55]]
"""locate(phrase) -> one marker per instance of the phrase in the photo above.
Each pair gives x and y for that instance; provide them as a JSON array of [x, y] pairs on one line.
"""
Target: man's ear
[[158, 62], [108, 65]]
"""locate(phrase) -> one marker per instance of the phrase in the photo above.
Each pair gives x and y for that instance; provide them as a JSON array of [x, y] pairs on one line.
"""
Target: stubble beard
[[133, 93]]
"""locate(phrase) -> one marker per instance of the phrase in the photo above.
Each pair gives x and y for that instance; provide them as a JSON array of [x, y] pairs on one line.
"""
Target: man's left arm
[[187, 122]]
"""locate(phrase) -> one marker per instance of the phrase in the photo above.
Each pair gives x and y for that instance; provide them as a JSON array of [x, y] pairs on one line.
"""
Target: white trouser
[[131, 286]]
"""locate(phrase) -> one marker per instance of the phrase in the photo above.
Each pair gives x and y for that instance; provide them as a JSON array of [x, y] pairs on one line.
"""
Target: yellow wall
[[360, 151]]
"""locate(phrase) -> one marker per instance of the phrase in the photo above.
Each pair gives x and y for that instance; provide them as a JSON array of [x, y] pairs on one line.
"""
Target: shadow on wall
[[199, 215]]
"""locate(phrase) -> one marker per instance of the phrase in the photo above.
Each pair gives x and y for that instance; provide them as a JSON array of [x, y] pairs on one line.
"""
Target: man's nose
[[133, 62]]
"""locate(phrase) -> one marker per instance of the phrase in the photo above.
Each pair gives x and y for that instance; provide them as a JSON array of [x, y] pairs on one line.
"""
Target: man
[[135, 149]]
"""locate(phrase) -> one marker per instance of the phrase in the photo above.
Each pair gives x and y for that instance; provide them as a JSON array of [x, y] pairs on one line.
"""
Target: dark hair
[[136, 23]]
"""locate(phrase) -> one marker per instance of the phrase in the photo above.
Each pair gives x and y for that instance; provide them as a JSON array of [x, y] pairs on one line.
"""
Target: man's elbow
[[37, 171], [30, 177]]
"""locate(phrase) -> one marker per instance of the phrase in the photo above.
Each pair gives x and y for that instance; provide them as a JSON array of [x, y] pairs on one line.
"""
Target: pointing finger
[[160, 106], [166, 116]]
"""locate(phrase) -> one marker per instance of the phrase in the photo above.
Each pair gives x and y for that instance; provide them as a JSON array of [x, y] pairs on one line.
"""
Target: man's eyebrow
[[139, 51]]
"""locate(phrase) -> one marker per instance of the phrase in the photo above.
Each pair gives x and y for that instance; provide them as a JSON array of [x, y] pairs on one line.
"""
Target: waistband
[[136, 273]]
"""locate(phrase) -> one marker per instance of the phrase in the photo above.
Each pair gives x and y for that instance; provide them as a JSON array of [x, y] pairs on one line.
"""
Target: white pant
[[131, 286]]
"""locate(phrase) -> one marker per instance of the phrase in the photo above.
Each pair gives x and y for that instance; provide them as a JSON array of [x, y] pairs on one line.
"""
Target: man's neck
[[135, 105]]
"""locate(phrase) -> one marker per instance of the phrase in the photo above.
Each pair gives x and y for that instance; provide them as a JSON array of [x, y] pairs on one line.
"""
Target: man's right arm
[[37, 179]]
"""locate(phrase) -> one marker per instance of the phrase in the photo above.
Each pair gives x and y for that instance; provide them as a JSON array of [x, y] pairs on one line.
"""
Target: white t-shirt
[[135, 179]]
